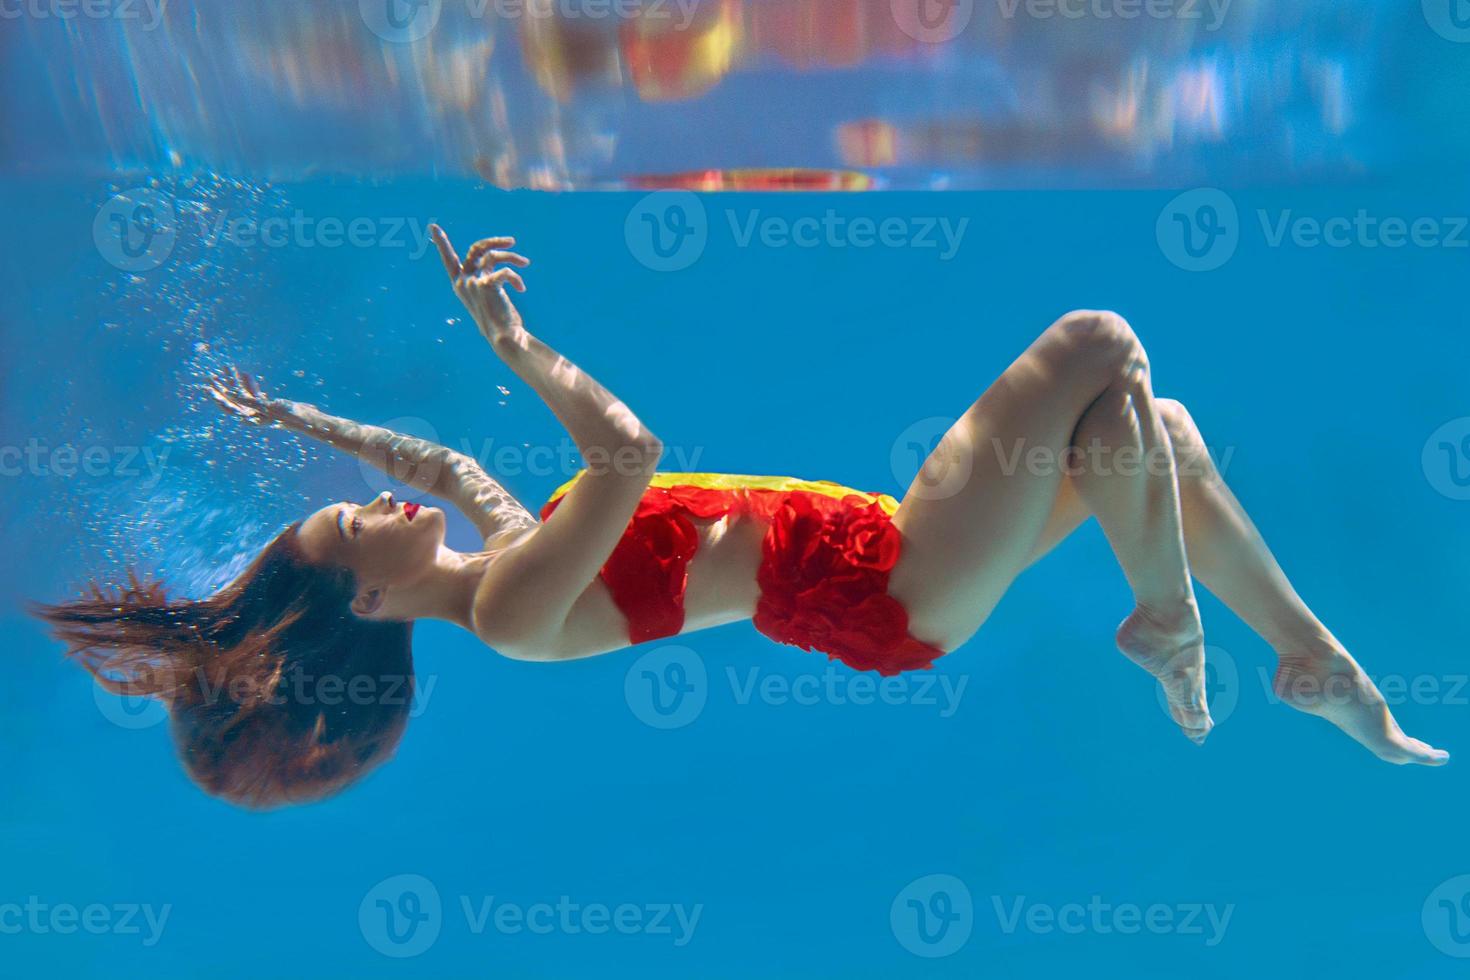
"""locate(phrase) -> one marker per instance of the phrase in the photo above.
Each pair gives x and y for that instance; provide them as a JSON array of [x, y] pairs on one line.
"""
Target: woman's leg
[[1229, 557], [979, 508]]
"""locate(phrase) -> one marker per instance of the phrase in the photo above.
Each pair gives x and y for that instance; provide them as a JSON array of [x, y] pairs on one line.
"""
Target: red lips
[[411, 510]]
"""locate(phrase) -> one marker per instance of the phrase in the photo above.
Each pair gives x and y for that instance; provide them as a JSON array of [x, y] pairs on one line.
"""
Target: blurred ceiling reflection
[[711, 94]]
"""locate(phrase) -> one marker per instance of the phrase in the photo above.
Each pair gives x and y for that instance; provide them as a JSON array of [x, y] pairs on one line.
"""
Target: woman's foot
[[1171, 646], [1323, 680]]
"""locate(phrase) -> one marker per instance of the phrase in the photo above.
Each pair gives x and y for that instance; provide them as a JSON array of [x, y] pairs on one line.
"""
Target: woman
[[625, 555]]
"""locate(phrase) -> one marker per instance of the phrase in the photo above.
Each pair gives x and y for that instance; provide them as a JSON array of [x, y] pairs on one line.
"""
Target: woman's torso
[[730, 515], [721, 588]]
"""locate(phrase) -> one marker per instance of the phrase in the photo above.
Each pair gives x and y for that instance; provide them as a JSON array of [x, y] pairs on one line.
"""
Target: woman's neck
[[446, 591]]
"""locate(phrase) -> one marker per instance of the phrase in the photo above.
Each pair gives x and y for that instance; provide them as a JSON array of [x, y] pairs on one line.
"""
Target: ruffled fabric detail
[[826, 560], [648, 572], [824, 585]]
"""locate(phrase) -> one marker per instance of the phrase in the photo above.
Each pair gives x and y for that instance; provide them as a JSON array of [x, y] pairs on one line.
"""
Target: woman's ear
[[369, 602]]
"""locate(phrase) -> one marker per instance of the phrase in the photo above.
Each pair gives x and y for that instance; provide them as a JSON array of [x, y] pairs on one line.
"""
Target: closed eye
[[346, 530]]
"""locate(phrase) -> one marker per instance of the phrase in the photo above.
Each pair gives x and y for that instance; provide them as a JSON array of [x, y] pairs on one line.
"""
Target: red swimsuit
[[823, 577]]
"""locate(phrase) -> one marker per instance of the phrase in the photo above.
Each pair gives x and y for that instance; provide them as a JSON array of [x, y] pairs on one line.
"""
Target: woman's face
[[383, 543]]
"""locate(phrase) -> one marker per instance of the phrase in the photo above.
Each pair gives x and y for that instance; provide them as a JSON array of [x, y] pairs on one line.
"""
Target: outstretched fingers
[[480, 261], [221, 400], [446, 252], [501, 277], [496, 250], [247, 382], [229, 394]]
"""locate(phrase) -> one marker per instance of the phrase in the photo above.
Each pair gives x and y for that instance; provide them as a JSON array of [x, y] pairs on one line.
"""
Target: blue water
[[1045, 774], [1282, 218]]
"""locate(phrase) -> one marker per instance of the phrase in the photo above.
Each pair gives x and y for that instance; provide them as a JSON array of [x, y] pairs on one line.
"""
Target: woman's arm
[[427, 466], [529, 591]]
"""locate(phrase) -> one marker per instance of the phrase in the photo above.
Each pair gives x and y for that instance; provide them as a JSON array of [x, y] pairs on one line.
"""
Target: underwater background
[[226, 188]]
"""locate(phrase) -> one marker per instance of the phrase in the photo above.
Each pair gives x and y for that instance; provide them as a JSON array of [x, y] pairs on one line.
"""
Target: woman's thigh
[[987, 500]]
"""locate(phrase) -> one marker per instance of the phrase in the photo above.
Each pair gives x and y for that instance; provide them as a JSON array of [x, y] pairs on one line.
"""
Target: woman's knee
[[1191, 455], [1095, 343], [1182, 430]]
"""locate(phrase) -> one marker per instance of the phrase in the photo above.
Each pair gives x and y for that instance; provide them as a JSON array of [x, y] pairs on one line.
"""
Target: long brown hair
[[276, 691]]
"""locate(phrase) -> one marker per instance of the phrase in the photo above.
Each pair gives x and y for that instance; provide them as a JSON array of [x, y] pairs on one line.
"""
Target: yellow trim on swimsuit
[[735, 481]]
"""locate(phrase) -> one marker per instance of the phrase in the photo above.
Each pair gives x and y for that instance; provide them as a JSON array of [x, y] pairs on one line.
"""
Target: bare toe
[[1328, 683], [1171, 648], [1417, 753]]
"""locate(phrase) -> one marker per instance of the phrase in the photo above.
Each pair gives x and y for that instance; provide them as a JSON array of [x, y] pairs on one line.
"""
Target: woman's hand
[[480, 286], [236, 393]]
